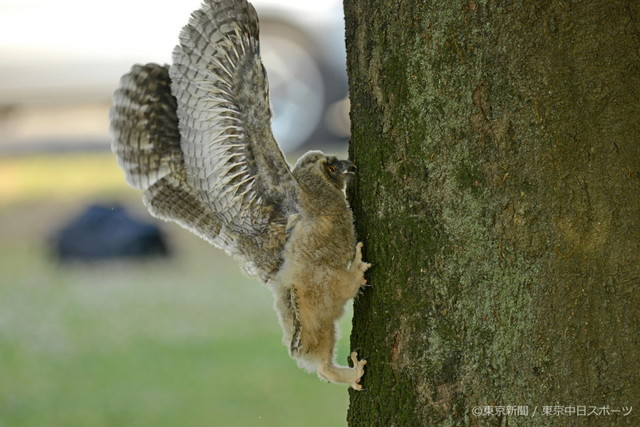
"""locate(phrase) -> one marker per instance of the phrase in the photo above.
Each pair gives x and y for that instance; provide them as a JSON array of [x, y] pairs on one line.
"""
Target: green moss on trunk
[[498, 198]]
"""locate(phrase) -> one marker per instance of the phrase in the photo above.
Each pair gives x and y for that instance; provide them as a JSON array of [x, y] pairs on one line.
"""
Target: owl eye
[[331, 169]]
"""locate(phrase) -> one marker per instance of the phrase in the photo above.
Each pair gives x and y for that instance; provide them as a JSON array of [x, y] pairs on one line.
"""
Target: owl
[[196, 137]]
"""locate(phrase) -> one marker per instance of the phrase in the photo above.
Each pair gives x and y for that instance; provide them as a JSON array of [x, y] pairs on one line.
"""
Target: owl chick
[[196, 137]]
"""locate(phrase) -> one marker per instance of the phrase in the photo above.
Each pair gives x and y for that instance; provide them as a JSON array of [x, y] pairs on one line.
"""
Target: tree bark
[[498, 153]]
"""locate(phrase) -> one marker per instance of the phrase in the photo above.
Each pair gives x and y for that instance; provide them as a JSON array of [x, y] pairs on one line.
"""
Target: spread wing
[[197, 138]]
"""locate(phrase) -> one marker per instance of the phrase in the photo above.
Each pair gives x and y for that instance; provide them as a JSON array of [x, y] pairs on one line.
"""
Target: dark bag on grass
[[108, 232]]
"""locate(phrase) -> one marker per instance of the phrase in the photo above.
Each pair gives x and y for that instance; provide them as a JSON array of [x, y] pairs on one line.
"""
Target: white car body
[[71, 53]]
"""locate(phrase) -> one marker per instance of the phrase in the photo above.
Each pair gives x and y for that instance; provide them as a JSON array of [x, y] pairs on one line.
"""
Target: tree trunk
[[498, 153]]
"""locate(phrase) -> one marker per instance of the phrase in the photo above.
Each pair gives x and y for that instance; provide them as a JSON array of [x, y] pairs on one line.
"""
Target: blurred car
[[303, 51], [61, 61]]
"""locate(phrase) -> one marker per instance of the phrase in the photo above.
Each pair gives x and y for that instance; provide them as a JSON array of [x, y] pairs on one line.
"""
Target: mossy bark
[[498, 153]]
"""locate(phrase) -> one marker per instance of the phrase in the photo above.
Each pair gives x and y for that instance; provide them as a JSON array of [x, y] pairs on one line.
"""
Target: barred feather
[[230, 153], [196, 136]]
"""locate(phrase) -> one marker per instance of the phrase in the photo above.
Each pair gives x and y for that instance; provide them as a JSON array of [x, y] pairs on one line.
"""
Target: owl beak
[[347, 168]]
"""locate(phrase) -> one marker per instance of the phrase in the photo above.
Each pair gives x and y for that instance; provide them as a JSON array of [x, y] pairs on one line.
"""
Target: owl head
[[314, 167]]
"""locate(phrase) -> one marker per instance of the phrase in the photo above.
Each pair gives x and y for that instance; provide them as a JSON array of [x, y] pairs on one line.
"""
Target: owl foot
[[354, 278], [358, 367], [344, 374], [358, 266], [357, 263]]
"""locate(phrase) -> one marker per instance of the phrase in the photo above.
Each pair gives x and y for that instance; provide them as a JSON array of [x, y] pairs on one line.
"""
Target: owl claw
[[358, 366], [358, 266]]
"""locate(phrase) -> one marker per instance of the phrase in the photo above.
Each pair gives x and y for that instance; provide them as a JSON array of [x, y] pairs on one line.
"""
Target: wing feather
[[191, 154], [146, 142], [230, 154]]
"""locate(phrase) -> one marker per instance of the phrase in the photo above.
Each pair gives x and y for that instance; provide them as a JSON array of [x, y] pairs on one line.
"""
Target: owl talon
[[358, 366], [364, 266]]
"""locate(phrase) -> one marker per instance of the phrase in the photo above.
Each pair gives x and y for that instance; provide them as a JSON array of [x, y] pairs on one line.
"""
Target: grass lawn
[[183, 341]]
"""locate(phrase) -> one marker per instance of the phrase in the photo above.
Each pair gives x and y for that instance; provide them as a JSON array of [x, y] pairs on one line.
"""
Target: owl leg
[[317, 354]]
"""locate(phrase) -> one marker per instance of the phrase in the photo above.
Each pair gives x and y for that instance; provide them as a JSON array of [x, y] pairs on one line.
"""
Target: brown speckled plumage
[[196, 137]]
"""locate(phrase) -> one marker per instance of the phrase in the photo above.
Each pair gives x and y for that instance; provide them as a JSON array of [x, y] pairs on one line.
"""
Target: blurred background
[[178, 338]]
